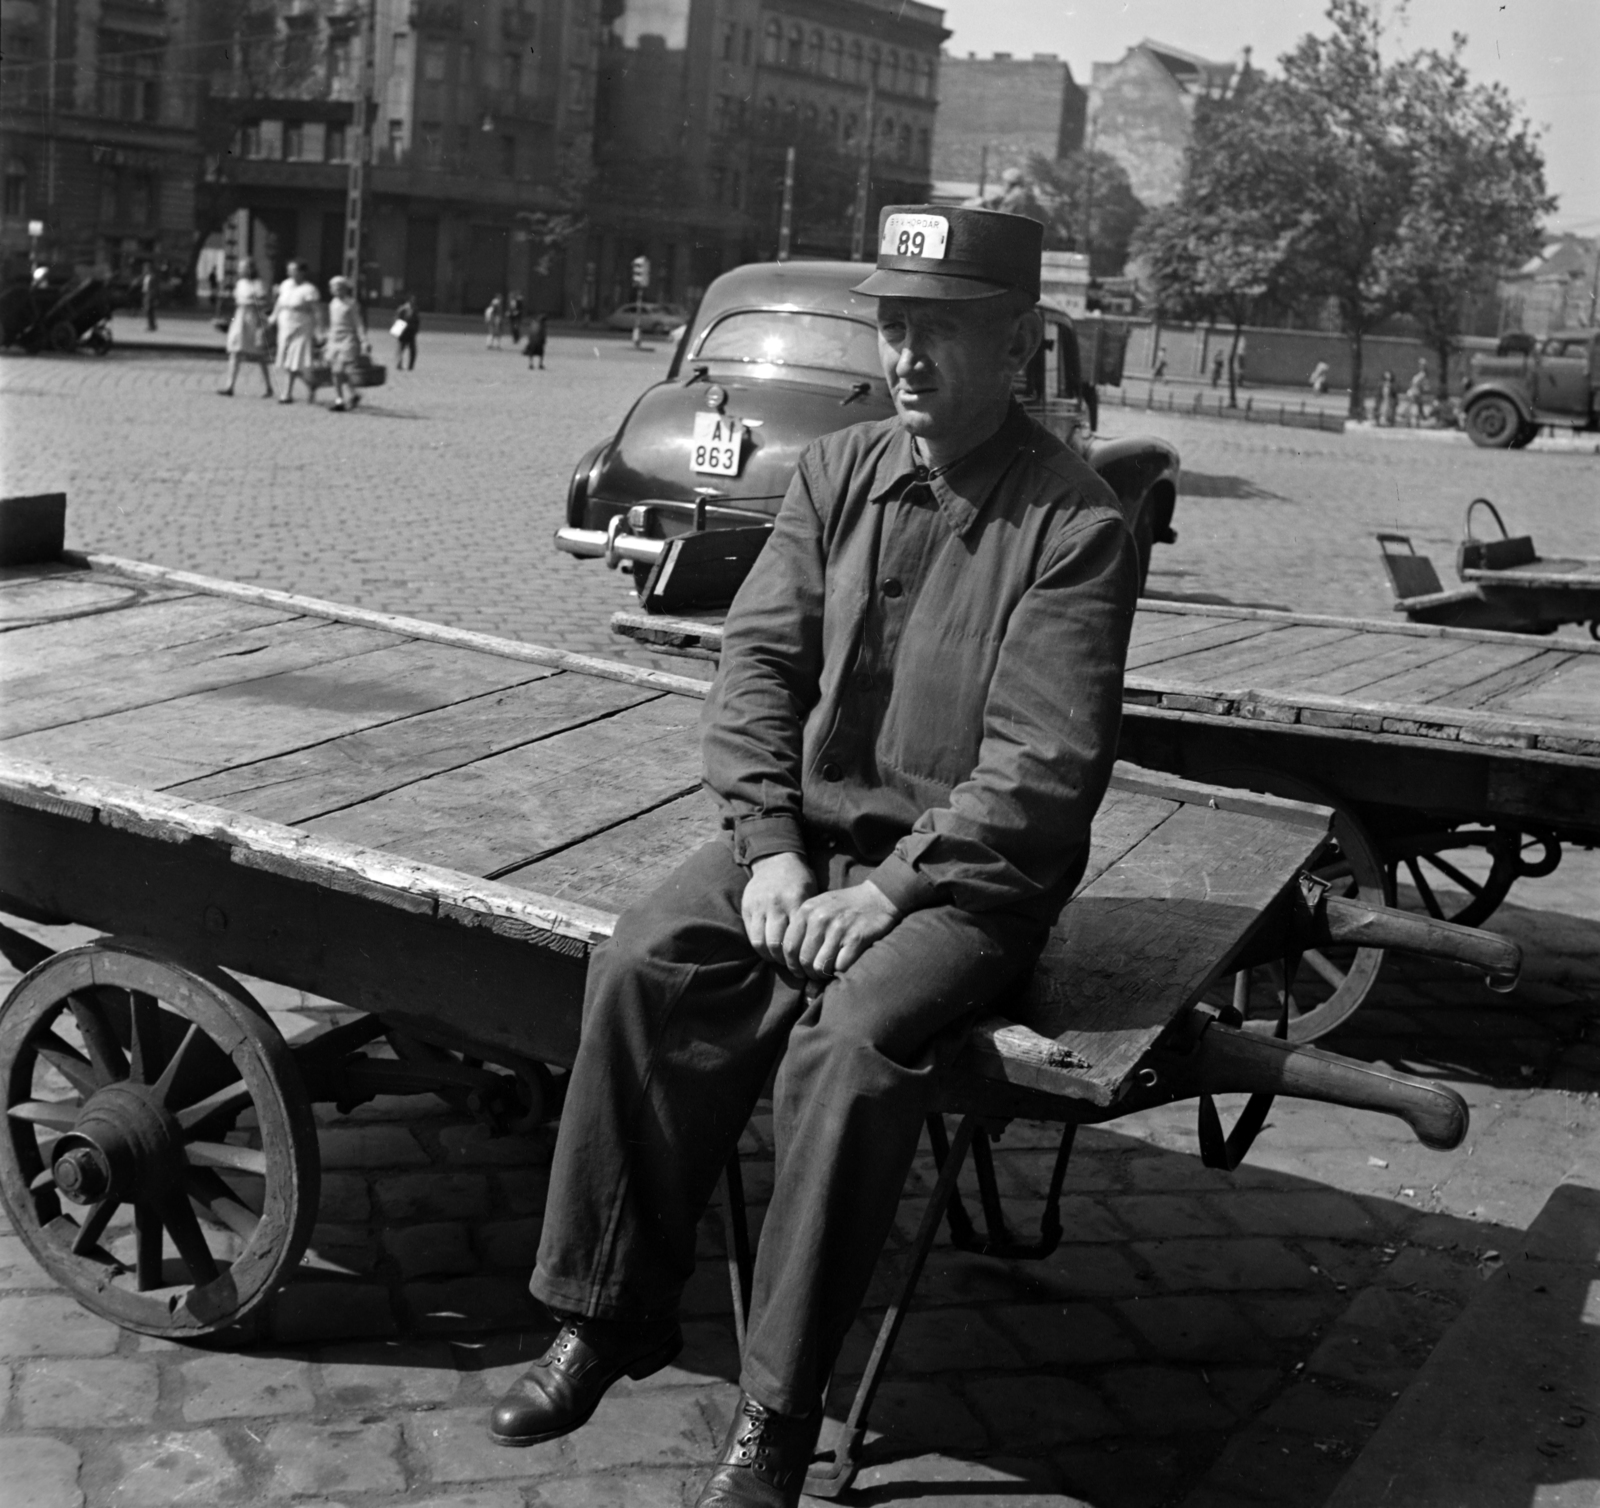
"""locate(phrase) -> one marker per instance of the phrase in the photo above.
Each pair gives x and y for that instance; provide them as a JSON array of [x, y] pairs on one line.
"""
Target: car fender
[[1139, 468], [583, 479], [1513, 392]]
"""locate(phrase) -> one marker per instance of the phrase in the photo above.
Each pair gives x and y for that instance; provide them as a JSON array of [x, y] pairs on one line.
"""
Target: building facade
[[698, 104], [481, 118], [98, 121], [1141, 112], [995, 113]]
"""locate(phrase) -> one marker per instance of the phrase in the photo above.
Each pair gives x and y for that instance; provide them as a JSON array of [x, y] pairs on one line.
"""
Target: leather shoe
[[564, 1387], [764, 1459]]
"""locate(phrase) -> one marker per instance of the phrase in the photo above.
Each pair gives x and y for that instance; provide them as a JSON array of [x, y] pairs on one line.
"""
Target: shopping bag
[[398, 328]]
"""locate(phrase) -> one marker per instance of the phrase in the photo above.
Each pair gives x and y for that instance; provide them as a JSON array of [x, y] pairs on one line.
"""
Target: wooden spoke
[[169, 1074], [224, 1103], [218, 1154], [1319, 962], [146, 1033], [94, 1227], [71, 1064], [148, 1240], [221, 1202], [1429, 899], [188, 1237], [59, 1115], [1465, 881], [104, 1049]]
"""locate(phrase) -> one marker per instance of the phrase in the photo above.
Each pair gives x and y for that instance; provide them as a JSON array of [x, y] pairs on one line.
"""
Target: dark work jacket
[[927, 671]]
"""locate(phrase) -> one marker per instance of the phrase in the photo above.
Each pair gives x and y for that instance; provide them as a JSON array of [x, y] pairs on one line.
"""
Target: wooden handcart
[[1456, 761], [435, 828]]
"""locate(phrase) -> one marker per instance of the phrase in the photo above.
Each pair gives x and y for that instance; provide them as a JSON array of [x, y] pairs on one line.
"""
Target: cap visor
[[887, 284]]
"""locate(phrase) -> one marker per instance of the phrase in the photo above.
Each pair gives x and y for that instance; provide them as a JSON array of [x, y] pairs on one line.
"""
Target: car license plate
[[718, 444]]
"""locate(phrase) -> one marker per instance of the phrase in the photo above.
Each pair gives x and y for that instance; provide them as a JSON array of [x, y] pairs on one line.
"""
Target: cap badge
[[914, 236]]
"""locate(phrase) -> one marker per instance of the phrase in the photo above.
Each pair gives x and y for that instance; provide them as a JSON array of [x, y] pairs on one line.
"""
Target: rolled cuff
[[756, 838], [906, 889]]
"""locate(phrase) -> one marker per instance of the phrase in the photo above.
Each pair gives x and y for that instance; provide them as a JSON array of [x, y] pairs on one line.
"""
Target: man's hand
[[827, 933], [779, 885]]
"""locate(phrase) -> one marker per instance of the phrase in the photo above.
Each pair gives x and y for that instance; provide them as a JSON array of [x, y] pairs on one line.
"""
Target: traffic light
[[641, 272]]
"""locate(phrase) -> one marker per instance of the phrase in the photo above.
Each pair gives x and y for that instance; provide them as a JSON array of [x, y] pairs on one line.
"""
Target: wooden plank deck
[[476, 783]]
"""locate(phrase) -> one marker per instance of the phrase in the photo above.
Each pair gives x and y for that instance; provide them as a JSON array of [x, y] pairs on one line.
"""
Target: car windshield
[[787, 337]]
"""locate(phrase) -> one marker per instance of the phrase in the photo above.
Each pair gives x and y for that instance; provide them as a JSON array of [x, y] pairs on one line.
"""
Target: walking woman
[[347, 337], [247, 330], [536, 339], [296, 313], [407, 321]]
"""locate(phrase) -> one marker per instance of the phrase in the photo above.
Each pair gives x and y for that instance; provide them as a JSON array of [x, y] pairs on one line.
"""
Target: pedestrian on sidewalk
[[493, 322], [536, 339], [1388, 403], [1217, 363], [347, 341], [407, 321], [514, 310], [297, 313], [147, 295], [1319, 378], [247, 330], [1159, 374]]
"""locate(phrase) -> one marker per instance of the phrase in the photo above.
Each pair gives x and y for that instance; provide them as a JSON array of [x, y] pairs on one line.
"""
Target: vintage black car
[[778, 354]]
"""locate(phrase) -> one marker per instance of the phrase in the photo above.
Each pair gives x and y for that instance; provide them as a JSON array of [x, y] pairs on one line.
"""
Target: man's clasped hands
[[810, 935]]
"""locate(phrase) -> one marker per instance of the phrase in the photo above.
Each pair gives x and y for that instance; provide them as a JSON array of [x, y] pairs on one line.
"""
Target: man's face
[[946, 359]]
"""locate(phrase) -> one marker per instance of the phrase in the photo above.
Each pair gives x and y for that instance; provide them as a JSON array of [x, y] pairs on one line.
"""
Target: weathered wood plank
[[314, 782], [504, 812], [1443, 681], [1204, 636], [1233, 664], [224, 661], [102, 639], [1384, 660], [191, 737], [1571, 693], [1145, 938], [1305, 666]]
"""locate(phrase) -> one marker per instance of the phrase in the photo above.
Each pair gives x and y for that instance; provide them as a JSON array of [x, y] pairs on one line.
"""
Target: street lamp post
[[361, 149], [858, 228]]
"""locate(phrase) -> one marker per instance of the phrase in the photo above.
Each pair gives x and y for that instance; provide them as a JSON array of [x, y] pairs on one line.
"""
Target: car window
[[788, 337]]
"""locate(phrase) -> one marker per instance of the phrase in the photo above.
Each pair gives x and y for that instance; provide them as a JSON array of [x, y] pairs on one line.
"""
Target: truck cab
[[1529, 382]]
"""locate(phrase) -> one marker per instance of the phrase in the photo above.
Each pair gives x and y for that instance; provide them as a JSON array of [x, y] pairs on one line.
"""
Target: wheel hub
[[123, 1141]]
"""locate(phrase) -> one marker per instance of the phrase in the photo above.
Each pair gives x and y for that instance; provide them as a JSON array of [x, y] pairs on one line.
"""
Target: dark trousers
[[682, 1024], [406, 346]]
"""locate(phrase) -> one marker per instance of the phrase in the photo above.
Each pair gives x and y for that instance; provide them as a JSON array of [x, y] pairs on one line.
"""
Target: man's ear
[[1027, 333]]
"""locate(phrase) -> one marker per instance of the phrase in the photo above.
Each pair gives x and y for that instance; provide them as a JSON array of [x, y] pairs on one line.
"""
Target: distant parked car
[[779, 354], [1527, 383], [653, 319]]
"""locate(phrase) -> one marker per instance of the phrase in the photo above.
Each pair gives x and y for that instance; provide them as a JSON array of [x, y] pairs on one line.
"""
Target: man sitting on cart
[[913, 725]]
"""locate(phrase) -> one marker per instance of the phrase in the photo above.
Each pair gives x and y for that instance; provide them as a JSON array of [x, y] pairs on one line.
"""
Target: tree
[[1088, 205], [1478, 193]]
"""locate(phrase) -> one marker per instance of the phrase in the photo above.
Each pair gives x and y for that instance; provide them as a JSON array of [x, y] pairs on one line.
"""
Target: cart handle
[[1483, 502]]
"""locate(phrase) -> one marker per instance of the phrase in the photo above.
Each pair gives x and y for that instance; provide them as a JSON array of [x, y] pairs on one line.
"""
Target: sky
[[1546, 53]]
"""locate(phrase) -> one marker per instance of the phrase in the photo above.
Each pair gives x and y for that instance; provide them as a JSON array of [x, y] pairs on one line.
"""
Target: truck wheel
[[1494, 423], [1526, 435]]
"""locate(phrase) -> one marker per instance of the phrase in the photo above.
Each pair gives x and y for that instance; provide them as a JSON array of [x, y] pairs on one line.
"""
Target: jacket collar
[[962, 488]]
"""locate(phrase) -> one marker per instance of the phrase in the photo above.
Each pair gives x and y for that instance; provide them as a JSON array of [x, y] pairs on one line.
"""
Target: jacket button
[[890, 586], [831, 771]]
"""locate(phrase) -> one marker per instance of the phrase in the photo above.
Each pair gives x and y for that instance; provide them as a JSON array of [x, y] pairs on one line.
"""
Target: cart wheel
[[63, 337], [159, 1157], [1513, 855], [1330, 983]]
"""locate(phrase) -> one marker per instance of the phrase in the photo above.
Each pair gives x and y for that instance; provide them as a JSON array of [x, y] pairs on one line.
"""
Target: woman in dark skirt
[[535, 345]]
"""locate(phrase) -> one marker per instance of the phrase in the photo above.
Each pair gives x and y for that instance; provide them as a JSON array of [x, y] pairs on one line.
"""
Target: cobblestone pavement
[[1199, 1340]]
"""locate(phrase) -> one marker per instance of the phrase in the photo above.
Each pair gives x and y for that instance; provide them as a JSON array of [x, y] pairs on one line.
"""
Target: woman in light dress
[[297, 313], [247, 331], [347, 337]]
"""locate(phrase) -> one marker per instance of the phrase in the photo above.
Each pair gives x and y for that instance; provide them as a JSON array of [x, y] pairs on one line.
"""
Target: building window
[[433, 62], [855, 63], [730, 34], [814, 53], [314, 141], [508, 156], [886, 131], [850, 128], [271, 140], [130, 76], [334, 149], [724, 113], [791, 120], [874, 66], [811, 120], [772, 47], [891, 72], [717, 177], [769, 115], [108, 197], [397, 140], [294, 139], [250, 139], [432, 144], [797, 44], [16, 200], [835, 56], [746, 57]]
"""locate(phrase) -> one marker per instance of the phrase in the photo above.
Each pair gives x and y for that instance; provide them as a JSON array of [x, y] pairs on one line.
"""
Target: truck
[[1531, 381]]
